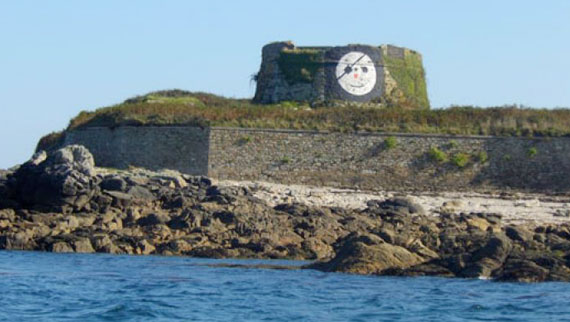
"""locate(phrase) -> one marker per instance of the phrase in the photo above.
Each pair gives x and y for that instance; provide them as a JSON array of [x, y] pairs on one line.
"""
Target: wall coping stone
[[359, 133], [398, 134]]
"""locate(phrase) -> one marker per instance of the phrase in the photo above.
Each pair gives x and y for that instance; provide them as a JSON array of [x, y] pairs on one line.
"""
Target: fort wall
[[353, 160], [180, 148]]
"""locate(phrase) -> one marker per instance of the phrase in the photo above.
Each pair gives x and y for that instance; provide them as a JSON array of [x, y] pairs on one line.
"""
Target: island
[[357, 175]]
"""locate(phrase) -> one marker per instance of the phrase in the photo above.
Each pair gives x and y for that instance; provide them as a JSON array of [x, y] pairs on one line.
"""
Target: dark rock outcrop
[[399, 205], [368, 254], [63, 181], [59, 203], [467, 245]]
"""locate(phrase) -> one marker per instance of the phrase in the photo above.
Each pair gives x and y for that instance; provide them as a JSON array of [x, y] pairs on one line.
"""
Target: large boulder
[[363, 253], [488, 259], [400, 205], [62, 181]]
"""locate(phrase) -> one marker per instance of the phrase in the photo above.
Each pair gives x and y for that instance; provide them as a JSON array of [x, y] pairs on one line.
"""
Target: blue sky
[[60, 57]]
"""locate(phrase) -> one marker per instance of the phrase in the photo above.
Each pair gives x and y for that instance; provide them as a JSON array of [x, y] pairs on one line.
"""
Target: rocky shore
[[61, 203]]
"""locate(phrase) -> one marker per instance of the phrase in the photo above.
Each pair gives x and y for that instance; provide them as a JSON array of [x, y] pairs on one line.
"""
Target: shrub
[[436, 154], [507, 157], [559, 253], [289, 104], [460, 159], [482, 157], [285, 159], [390, 143], [453, 144], [244, 140], [51, 141], [532, 152]]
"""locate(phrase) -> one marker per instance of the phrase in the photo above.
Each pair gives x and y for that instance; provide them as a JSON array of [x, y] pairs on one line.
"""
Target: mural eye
[[347, 69], [365, 69]]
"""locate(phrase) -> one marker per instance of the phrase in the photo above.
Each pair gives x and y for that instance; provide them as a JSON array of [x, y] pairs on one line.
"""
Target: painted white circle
[[356, 73]]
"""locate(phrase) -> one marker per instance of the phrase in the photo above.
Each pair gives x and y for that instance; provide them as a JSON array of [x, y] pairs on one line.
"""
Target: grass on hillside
[[178, 107]]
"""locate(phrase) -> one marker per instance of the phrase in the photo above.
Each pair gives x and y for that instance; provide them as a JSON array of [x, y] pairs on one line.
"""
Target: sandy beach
[[517, 208]]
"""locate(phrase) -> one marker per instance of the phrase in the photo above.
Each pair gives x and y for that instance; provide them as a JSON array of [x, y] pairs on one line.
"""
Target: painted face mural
[[356, 73]]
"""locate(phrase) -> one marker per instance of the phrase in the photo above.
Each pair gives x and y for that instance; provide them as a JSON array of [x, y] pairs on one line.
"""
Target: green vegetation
[[390, 142], [460, 159], [532, 152], [176, 97], [51, 140], [287, 104], [409, 73], [453, 144], [507, 157], [244, 140], [299, 65], [438, 155], [482, 157], [285, 159], [177, 107], [559, 253]]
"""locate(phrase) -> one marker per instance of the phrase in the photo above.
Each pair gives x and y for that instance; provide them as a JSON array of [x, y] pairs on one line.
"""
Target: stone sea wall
[[367, 161], [404, 162], [182, 148]]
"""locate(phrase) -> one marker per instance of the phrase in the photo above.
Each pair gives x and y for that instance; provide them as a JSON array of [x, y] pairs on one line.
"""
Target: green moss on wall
[[300, 65], [409, 74], [51, 141]]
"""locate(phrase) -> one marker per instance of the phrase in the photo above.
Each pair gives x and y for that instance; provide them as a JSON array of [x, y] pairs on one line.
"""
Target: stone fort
[[357, 74], [386, 75]]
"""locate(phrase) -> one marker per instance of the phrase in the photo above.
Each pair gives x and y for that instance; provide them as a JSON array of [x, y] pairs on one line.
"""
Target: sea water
[[96, 287]]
